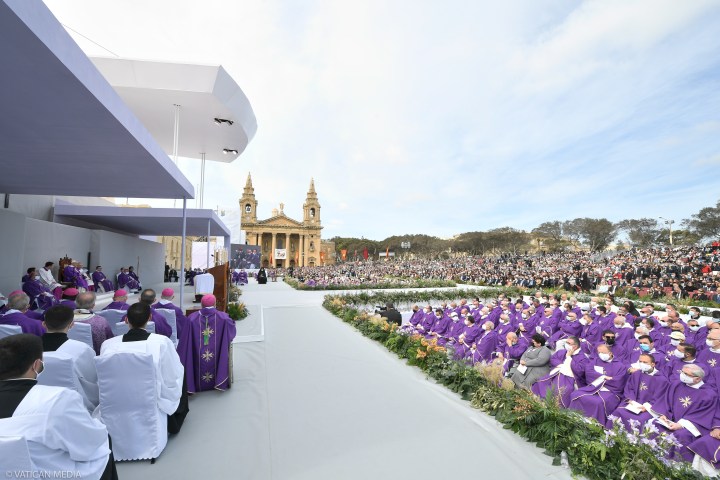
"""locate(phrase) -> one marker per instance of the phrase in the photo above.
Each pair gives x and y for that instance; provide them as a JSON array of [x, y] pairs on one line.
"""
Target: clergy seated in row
[[73, 274], [119, 301], [456, 328], [99, 326], [645, 385], [688, 409], [710, 355], [68, 297], [567, 374], [41, 298], [162, 327], [126, 281], [466, 339], [47, 278], [61, 435], [165, 302], [100, 281], [534, 363], [684, 354], [605, 376], [207, 356], [646, 345], [485, 344], [169, 372], [58, 321], [17, 307]]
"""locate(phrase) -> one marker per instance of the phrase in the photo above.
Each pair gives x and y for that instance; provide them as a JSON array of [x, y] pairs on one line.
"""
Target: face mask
[[524, 315], [709, 343], [678, 354], [567, 346], [695, 316], [644, 367], [583, 321], [42, 369], [605, 357], [644, 347], [438, 316], [619, 325], [643, 315], [674, 343], [686, 379], [663, 324], [694, 328], [610, 341], [637, 336]]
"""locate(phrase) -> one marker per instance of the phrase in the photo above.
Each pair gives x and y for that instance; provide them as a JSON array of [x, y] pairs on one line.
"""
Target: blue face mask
[[644, 347]]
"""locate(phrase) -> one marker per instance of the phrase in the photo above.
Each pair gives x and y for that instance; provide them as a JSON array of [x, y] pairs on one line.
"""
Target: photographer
[[392, 315]]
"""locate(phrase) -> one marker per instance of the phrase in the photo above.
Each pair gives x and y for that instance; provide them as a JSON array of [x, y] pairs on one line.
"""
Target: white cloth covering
[[84, 357], [204, 284], [60, 433], [169, 371]]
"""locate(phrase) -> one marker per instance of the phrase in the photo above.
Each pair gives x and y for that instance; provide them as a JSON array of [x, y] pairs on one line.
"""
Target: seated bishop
[[205, 348], [645, 386], [165, 302], [41, 298], [119, 301], [61, 435], [605, 376], [101, 282], [17, 307], [567, 374], [172, 398]]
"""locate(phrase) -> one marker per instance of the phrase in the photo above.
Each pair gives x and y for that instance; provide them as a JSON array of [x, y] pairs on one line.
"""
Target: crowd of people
[[626, 363], [65, 429], [679, 272]]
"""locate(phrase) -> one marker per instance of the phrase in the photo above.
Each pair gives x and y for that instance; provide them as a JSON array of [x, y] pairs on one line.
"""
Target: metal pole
[[182, 254], [176, 137], [202, 179], [208, 245]]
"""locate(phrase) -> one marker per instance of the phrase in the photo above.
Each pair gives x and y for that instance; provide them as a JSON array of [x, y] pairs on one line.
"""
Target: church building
[[285, 242]]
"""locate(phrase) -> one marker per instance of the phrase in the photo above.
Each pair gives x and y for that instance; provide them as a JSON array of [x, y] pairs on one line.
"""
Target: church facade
[[283, 241]]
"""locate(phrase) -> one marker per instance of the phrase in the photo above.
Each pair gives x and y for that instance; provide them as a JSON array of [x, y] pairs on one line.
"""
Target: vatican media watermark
[[42, 474]]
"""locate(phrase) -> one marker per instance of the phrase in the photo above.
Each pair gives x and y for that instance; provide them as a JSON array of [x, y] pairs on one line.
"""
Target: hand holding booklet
[[634, 407]]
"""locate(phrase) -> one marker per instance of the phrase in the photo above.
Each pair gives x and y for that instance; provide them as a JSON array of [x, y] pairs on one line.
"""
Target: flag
[[322, 257], [387, 253], [365, 253], [343, 253]]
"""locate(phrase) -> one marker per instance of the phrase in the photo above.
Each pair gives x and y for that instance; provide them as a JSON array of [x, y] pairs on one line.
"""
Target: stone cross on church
[[284, 242]]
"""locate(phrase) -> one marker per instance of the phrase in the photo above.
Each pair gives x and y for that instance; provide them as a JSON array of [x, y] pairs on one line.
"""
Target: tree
[[597, 234], [642, 232], [474, 243], [551, 236], [506, 239], [705, 223]]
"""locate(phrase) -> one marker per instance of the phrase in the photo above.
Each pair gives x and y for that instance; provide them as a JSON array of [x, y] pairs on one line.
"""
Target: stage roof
[[63, 129], [204, 93], [146, 221]]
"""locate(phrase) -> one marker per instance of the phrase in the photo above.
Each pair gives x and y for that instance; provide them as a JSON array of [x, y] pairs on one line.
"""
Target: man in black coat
[[392, 315]]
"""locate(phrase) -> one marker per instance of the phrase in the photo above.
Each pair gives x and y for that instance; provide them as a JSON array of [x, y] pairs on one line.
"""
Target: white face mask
[[605, 357], [644, 367], [524, 315], [674, 343], [583, 321], [686, 379], [678, 354], [637, 336], [710, 343], [694, 328], [663, 324]]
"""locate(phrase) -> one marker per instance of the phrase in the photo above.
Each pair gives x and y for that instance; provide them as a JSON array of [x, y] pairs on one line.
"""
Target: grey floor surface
[[314, 399]]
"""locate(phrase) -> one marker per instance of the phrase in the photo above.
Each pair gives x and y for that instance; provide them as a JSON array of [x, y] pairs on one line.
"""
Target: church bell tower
[[311, 207], [248, 204]]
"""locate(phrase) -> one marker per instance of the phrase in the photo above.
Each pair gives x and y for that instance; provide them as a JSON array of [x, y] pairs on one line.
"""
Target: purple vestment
[[117, 306], [600, 399], [99, 328], [640, 388], [181, 320], [28, 325], [100, 280], [485, 346], [40, 295], [205, 350], [561, 380], [74, 276]]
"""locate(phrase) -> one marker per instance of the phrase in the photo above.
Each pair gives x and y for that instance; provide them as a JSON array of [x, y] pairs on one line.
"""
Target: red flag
[[387, 253], [343, 254], [322, 257], [365, 253]]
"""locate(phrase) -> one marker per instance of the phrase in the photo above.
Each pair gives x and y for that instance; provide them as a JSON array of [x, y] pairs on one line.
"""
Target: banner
[[343, 254], [280, 254], [244, 256], [322, 257]]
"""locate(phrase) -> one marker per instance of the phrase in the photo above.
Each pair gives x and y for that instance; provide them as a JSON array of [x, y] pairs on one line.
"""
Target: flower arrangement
[[237, 311], [384, 284]]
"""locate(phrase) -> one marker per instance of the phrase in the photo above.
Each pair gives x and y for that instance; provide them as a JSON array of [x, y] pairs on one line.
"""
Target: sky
[[419, 116]]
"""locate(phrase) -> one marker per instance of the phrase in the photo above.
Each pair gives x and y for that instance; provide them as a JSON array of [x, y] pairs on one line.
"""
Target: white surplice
[[61, 434], [85, 370], [168, 368]]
